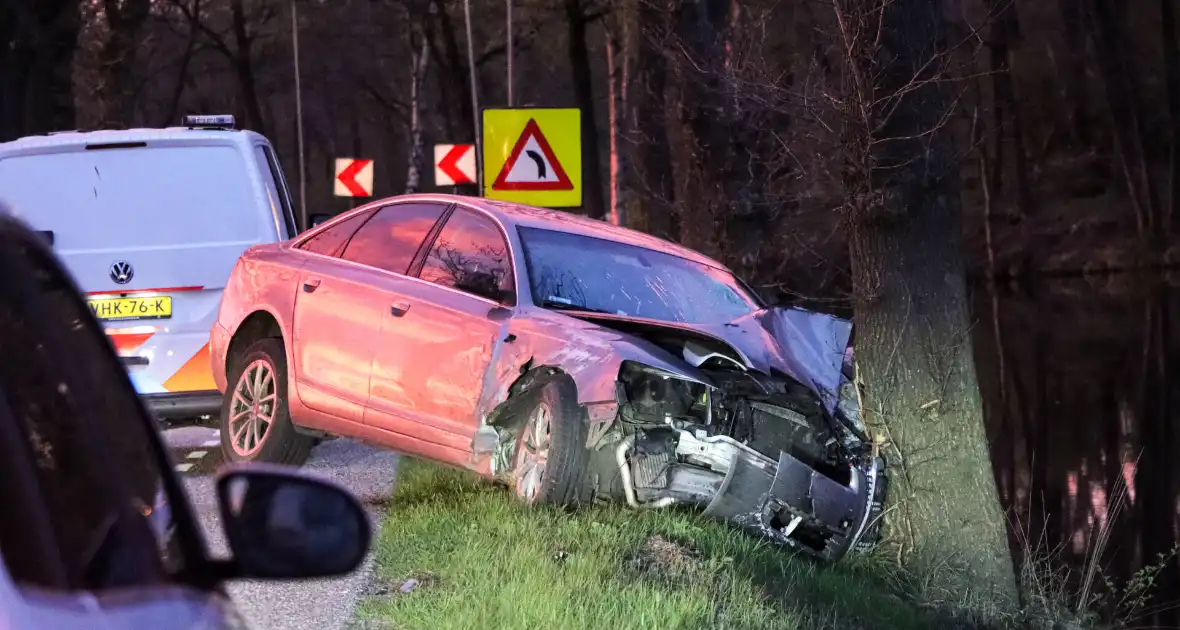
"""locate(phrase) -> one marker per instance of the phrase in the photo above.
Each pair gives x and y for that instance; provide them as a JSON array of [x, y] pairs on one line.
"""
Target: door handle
[[310, 285], [399, 308]]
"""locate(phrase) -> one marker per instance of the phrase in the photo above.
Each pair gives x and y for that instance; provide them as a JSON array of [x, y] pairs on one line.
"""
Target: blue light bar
[[223, 121]]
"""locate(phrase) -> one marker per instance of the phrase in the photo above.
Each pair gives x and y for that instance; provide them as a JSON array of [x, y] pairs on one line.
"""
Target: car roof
[[520, 215], [59, 140]]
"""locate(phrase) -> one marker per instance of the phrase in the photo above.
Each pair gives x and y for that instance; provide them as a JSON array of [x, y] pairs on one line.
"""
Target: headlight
[[656, 394]]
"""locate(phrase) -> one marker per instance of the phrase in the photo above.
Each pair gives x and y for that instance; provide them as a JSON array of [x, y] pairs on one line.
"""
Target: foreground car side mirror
[[282, 524]]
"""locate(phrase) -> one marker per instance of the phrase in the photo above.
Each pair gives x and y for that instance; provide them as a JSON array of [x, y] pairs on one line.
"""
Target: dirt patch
[[666, 559]]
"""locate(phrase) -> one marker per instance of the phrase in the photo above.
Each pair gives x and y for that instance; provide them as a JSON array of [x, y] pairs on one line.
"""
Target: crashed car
[[576, 360]]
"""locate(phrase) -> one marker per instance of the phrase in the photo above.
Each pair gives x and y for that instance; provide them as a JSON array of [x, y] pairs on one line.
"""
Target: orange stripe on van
[[196, 375], [126, 343]]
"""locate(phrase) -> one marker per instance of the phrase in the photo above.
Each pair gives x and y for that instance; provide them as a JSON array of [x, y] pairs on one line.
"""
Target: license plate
[[113, 309]]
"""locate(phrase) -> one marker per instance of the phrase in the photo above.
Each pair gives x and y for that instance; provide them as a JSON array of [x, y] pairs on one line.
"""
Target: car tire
[[556, 423], [277, 440]]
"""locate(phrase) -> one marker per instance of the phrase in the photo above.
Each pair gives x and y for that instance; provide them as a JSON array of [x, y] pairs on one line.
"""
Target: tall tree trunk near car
[[116, 60], [1172, 73], [911, 311], [583, 80], [419, 62]]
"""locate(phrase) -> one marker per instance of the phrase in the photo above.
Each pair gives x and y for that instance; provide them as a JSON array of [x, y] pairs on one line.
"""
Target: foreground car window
[[97, 470], [468, 248], [575, 271], [391, 240]]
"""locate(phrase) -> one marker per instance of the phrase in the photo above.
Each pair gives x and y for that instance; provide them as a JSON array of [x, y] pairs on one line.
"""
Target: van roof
[[173, 135]]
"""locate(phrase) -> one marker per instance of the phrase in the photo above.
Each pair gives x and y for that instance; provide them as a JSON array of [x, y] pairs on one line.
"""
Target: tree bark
[[1109, 33], [1075, 70], [1006, 120], [419, 63], [1172, 72], [116, 90], [911, 313], [649, 133], [244, 66], [583, 79], [52, 28]]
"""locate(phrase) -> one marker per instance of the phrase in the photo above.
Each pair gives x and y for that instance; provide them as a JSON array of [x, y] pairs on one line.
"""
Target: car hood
[[805, 345]]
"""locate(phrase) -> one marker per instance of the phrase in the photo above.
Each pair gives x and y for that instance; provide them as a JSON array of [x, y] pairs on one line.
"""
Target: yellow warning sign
[[533, 156]]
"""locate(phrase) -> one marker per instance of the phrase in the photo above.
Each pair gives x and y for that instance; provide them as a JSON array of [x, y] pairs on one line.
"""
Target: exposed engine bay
[[758, 451]]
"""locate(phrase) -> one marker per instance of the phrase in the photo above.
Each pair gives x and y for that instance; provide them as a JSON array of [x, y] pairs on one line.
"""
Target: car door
[[438, 331], [336, 317]]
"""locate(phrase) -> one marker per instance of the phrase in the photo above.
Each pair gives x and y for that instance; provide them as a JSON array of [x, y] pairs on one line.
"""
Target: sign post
[[354, 177], [533, 156]]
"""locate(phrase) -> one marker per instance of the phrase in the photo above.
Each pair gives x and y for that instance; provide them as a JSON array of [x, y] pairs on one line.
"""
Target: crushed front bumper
[[794, 504]]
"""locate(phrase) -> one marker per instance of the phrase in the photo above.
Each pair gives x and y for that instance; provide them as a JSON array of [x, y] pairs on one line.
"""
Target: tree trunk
[[583, 79], [244, 66], [1109, 33], [1006, 120], [49, 90], [16, 57], [1075, 71], [190, 48], [653, 159], [910, 295], [612, 98], [419, 63], [116, 91], [1172, 71]]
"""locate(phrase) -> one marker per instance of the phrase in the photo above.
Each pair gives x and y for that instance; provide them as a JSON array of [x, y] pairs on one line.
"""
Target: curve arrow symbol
[[450, 164], [348, 178]]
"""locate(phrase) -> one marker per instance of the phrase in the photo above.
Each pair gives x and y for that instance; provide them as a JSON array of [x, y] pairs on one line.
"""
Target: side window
[[99, 474], [470, 254], [392, 239], [332, 240], [284, 193]]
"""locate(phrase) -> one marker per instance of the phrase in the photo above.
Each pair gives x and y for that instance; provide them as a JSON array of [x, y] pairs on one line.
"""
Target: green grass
[[484, 561]]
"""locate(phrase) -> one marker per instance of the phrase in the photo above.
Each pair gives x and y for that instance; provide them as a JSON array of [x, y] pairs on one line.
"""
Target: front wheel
[[255, 421], [550, 461]]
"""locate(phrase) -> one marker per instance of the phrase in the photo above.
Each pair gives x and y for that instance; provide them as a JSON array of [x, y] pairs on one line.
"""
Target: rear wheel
[[550, 463], [255, 421]]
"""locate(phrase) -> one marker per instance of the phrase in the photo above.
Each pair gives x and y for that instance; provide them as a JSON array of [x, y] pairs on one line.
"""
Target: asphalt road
[[327, 604]]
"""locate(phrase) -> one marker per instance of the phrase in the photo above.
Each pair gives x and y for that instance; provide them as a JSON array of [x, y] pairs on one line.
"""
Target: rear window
[[134, 197]]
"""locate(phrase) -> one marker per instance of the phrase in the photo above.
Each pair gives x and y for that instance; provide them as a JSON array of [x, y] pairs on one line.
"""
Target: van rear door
[[150, 230]]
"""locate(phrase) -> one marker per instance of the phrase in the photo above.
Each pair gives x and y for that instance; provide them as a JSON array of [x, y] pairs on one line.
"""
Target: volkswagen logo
[[121, 272]]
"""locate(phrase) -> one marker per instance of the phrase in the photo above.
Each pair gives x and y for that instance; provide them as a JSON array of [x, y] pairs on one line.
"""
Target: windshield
[[574, 271]]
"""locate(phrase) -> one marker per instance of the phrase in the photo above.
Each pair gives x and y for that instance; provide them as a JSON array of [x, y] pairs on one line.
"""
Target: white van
[[150, 222]]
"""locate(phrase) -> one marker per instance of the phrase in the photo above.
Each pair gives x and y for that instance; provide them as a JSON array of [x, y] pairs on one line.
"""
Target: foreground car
[[577, 360], [97, 530]]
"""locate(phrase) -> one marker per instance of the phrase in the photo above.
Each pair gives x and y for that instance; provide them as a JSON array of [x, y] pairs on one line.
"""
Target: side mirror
[[283, 525], [317, 219], [482, 283]]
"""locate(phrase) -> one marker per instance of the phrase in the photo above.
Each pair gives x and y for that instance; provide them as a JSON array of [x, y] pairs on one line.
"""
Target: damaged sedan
[[575, 360]]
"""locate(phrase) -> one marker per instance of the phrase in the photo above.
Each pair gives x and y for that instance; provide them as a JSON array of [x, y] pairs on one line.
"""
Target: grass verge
[[477, 559]]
